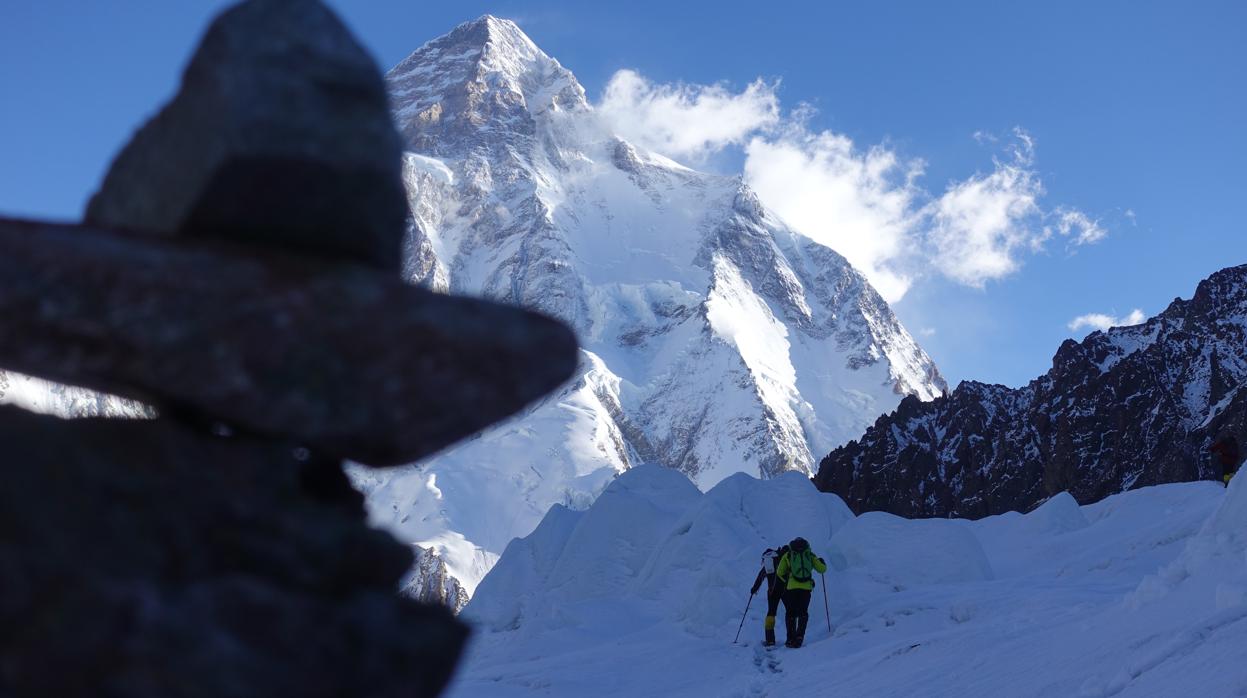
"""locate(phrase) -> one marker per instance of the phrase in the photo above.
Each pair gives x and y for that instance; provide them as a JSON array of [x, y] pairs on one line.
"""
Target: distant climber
[[1226, 448], [796, 572], [774, 590]]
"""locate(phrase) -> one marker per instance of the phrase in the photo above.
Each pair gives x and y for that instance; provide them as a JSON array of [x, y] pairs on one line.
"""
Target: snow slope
[[1141, 594], [45, 397], [716, 339]]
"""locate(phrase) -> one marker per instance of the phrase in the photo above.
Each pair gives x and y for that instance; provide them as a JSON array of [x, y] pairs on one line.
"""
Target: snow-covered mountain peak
[[484, 75], [716, 339]]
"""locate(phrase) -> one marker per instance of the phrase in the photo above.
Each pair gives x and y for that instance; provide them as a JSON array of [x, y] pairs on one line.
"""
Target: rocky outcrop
[[432, 583], [347, 361], [1124, 408], [146, 558], [280, 134], [217, 548]]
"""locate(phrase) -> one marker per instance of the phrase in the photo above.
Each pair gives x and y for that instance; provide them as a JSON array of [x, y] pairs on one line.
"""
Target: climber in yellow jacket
[[796, 571]]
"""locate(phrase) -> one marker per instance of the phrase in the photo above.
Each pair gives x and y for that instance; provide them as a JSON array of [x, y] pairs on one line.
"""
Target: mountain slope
[[46, 397], [1127, 407], [716, 339]]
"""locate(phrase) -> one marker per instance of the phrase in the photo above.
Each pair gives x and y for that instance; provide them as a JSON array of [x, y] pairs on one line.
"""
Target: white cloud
[[1076, 226], [686, 121], [865, 203], [1100, 321], [980, 225]]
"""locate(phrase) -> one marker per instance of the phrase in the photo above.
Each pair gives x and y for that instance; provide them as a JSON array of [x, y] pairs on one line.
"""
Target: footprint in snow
[[766, 661]]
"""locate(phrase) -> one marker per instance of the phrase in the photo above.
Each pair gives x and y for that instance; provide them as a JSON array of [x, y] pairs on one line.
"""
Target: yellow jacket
[[787, 566]]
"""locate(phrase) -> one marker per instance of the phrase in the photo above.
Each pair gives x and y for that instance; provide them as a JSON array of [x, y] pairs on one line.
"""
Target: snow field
[[468, 502], [1142, 594]]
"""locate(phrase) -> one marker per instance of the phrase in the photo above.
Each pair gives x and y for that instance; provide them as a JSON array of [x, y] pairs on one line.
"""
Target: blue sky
[[1136, 111]]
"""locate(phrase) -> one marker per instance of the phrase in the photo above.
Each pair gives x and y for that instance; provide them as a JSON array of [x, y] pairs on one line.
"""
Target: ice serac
[[715, 338], [1124, 408]]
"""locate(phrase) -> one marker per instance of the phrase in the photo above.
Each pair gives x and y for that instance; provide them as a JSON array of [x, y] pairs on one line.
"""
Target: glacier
[[1141, 594]]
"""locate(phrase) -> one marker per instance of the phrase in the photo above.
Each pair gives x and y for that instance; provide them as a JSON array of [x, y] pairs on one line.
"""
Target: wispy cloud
[[983, 137], [686, 121], [1101, 321], [864, 202], [1076, 227], [980, 225]]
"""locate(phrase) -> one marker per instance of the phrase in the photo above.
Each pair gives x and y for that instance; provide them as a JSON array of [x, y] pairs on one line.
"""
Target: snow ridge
[[67, 401]]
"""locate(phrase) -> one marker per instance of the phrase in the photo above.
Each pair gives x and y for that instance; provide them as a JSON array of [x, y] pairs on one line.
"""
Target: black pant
[[773, 597], [774, 594], [796, 613]]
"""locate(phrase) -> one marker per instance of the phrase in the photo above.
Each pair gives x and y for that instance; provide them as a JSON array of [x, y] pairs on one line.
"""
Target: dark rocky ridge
[[1125, 408]]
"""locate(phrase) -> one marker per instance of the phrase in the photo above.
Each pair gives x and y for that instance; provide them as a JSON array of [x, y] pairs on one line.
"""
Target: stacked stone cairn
[[237, 270]]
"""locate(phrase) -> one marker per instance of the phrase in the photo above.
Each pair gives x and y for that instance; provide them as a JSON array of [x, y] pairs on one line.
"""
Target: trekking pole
[[826, 607], [742, 617]]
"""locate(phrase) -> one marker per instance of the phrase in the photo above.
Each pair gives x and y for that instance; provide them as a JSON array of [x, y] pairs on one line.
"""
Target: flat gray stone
[[350, 362], [280, 134]]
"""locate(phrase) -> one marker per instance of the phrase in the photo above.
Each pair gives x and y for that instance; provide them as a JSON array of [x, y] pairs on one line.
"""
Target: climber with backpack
[[1226, 449], [796, 573], [774, 590]]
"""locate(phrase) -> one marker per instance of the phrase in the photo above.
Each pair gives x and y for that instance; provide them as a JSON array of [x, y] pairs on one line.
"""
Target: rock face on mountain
[[715, 338], [432, 583], [1124, 408]]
